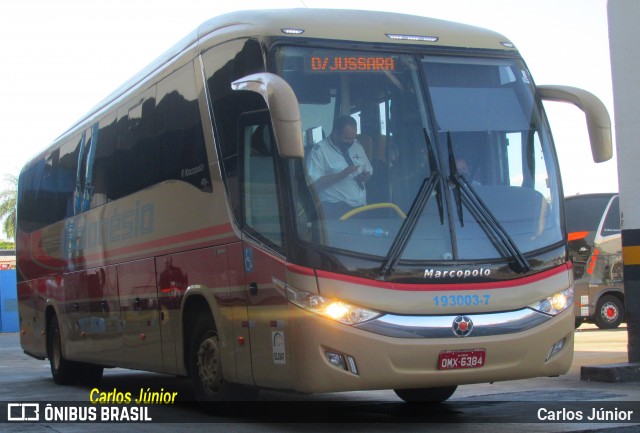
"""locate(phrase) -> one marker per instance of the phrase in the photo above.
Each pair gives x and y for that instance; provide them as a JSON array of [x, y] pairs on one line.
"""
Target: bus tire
[[426, 395], [609, 312], [62, 370], [205, 366]]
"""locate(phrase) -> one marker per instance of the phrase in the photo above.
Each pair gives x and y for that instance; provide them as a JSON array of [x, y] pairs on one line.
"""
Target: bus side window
[[97, 174], [223, 64], [178, 143], [260, 198], [47, 186], [129, 169]]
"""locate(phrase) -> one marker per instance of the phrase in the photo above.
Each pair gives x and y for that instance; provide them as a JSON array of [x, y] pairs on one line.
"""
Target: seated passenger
[[465, 172]]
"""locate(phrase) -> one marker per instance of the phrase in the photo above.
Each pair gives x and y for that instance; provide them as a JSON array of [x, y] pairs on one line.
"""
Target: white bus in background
[[595, 249], [175, 228]]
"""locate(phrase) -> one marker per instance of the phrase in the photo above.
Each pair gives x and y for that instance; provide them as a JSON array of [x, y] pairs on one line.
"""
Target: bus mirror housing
[[598, 120], [283, 109]]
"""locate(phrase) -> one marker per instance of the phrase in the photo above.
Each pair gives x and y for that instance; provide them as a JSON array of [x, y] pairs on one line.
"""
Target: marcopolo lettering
[[456, 273], [186, 172]]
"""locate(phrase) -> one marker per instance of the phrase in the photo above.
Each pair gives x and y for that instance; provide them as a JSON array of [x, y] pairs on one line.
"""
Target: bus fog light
[[342, 361], [336, 359], [557, 347]]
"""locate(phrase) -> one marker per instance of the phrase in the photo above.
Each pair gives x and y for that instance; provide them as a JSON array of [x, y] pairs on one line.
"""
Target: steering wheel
[[373, 206]]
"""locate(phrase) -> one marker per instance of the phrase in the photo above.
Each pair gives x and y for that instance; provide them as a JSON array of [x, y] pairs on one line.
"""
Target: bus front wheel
[[426, 395], [205, 363]]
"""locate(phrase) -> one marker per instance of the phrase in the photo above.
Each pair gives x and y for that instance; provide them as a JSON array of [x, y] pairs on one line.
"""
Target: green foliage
[[7, 245], [8, 201]]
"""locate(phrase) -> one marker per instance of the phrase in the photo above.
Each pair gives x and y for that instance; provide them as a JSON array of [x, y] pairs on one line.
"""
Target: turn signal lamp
[[553, 350]]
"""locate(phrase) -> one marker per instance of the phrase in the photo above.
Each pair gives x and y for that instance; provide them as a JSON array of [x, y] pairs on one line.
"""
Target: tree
[[8, 201]]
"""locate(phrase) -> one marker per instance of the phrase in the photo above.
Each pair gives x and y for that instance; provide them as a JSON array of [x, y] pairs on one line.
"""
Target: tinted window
[[259, 191], [146, 143], [101, 153], [179, 143], [611, 224], [584, 213], [223, 65], [159, 138], [130, 167], [47, 186]]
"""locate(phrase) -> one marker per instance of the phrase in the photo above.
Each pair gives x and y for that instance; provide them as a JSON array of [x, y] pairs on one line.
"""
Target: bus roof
[[328, 24], [351, 25]]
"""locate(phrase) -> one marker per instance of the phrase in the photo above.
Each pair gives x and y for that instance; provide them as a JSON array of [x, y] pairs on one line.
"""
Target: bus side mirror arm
[[283, 109], [598, 120]]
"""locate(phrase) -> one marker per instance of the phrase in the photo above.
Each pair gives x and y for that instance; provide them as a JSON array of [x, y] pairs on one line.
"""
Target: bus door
[[262, 252]]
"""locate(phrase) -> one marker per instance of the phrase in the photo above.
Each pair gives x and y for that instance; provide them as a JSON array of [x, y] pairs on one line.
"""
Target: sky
[[60, 58]]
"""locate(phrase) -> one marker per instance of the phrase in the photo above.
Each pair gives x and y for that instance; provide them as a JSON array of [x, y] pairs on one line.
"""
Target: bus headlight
[[556, 303], [331, 308]]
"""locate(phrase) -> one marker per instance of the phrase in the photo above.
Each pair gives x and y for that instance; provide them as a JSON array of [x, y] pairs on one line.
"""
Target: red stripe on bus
[[297, 269], [444, 286]]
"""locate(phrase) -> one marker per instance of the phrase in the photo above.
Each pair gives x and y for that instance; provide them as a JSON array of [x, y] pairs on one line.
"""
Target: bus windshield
[[455, 147]]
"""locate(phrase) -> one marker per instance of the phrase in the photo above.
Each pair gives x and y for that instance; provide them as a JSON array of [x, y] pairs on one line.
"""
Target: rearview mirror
[[598, 120], [283, 109]]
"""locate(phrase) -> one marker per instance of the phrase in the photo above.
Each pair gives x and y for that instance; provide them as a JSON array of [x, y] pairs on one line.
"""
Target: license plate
[[454, 359]]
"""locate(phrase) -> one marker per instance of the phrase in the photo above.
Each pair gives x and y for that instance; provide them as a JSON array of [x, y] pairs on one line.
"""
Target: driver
[[339, 168]]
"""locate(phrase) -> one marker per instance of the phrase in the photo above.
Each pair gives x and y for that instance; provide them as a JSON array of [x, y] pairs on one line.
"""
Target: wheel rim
[[209, 365], [609, 312]]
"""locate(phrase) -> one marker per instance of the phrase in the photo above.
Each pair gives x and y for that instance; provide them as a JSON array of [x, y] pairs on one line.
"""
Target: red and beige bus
[[176, 228]]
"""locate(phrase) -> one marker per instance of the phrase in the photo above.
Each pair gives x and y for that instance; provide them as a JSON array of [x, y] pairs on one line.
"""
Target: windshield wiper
[[433, 166], [473, 200], [409, 224], [453, 169]]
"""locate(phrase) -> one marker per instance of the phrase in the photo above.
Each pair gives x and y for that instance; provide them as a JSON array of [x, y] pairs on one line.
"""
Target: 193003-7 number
[[461, 300]]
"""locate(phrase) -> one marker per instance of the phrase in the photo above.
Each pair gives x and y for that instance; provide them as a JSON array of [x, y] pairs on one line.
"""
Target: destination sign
[[351, 63]]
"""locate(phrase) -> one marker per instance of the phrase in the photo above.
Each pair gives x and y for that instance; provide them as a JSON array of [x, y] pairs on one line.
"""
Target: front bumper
[[516, 346]]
